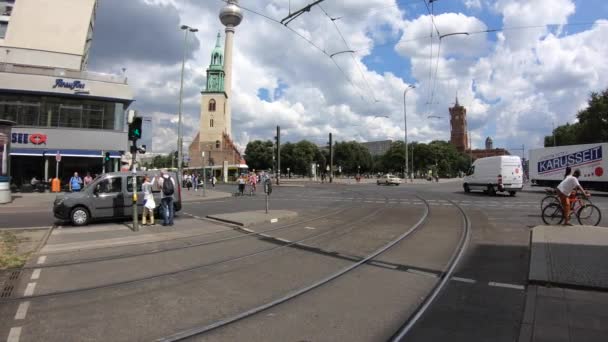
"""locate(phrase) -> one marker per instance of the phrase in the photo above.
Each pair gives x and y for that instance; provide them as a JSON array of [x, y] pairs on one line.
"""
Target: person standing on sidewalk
[[167, 185], [213, 181], [75, 183], [88, 179], [149, 203]]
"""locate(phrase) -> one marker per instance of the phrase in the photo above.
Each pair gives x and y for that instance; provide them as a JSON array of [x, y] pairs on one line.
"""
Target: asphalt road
[[484, 301]]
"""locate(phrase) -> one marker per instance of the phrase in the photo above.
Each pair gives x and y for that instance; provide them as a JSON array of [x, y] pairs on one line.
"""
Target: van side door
[[108, 200], [128, 195]]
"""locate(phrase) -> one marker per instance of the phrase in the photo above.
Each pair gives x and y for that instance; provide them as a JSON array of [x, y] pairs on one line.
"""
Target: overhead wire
[[351, 54], [310, 42]]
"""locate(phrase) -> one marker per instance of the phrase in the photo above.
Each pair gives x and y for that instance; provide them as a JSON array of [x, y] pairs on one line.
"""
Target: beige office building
[[59, 106]]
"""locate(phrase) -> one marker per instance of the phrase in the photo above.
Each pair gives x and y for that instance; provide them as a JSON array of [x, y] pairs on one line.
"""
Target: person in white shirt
[[565, 188], [149, 203]]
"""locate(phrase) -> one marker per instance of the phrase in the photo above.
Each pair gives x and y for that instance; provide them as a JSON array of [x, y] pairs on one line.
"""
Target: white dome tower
[[230, 16]]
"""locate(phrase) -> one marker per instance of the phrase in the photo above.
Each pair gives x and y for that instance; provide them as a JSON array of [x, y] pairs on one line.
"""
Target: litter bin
[[5, 162]]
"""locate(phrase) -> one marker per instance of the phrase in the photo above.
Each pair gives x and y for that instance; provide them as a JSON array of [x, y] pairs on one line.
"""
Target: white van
[[492, 174]]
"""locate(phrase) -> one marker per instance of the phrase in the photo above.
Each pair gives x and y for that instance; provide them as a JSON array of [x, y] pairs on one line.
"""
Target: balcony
[[73, 74]]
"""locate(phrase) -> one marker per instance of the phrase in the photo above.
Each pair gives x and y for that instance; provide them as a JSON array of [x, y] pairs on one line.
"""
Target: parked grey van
[[110, 196]]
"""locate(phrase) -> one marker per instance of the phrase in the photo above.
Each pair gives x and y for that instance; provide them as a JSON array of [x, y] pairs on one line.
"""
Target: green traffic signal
[[135, 129]]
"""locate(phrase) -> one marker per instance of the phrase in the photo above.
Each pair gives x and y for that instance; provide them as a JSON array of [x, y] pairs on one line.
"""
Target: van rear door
[[512, 173]]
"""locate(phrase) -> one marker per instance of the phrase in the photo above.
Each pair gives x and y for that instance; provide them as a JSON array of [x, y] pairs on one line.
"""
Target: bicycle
[[586, 213], [552, 198]]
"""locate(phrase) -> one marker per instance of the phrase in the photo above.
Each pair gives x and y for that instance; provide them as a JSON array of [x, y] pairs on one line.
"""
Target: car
[[389, 180], [495, 174], [109, 196]]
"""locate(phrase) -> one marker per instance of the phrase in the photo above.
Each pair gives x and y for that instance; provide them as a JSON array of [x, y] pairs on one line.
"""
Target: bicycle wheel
[[553, 214], [589, 215], [548, 200]]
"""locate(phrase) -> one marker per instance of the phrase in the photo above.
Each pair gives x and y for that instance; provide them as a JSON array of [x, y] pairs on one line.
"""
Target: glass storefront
[[53, 111]]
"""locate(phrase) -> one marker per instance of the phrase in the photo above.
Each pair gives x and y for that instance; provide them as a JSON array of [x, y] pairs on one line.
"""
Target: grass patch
[[9, 250]]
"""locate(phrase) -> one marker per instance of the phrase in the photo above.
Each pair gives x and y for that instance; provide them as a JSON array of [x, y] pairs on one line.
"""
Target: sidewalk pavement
[[563, 258], [120, 234]]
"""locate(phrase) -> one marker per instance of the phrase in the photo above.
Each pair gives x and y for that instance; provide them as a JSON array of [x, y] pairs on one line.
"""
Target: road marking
[[248, 230], [41, 260], [423, 273], [464, 280], [283, 240], [509, 286], [310, 228], [14, 334], [274, 220], [22, 310], [36, 274], [29, 289]]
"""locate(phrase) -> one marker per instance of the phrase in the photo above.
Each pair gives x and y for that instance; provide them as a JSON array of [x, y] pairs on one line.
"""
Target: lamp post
[[186, 29], [406, 171]]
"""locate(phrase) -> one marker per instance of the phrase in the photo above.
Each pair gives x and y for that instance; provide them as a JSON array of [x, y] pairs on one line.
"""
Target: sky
[[535, 68]]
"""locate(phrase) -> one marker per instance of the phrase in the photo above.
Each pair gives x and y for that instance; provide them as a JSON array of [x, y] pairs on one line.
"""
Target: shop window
[[92, 116], [29, 114], [70, 116], [212, 105], [109, 185], [3, 28], [140, 181], [9, 111]]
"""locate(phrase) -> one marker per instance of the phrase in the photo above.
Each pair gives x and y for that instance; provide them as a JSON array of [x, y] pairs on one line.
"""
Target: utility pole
[[278, 154], [331, 159], [554, 135]]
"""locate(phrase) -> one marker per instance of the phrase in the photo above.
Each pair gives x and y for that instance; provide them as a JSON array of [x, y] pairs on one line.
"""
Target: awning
[[36, 152]]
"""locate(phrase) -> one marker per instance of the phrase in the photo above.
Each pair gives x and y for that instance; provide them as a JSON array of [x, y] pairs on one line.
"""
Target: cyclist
[[564, 191]]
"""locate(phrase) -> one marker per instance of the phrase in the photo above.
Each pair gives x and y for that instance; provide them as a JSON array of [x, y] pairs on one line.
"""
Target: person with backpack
[[167, 186], [75, 183]]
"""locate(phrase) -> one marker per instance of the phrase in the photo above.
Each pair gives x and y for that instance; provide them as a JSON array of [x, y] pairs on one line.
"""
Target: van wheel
[[511, 193], [466, 188], [491, 190], [79, 216]]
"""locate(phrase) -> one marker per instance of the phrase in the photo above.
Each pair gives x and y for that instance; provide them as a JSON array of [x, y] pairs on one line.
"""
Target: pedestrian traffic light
[[107, 162], [107, 157], [135, 129]]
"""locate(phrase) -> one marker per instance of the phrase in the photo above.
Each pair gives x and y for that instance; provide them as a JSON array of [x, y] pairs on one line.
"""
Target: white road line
[[41, 260], [29, 289], [311, 228], [22, 310], [274, 220], [283, 240], [248, 230], [509, 286], [423, 273], [14, 334], [36, 274], [464, 280]]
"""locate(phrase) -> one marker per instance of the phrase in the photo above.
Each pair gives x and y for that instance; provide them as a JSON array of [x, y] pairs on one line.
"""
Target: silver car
[[109, 196]]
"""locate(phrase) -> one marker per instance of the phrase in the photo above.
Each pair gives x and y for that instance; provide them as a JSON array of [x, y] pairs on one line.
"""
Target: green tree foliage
[[258, 154], [300, 156], [438, 156], [350, 155], [592, 125]]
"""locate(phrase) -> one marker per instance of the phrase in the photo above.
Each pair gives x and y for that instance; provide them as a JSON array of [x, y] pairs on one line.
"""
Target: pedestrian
[[241, 183], [149, 203], [75, 183], [213, 181], [167, 185], [195, 180], [253, 180], [565, 189], [88, 179]]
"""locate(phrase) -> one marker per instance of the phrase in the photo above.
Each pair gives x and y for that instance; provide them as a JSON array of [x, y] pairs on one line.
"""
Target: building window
[[211, 123], [212, 105], [3, 28]]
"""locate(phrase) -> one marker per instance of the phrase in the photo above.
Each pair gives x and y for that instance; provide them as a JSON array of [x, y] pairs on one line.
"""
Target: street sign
[[58, 157]]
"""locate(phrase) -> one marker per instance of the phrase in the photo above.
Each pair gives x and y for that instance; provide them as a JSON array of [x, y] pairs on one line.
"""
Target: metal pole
[[204, 178], [278, 154], [331, 159], [406, 170], [267, 202], [133, 159], [179, 119], [56, 168], [554, 136], [413, 170]]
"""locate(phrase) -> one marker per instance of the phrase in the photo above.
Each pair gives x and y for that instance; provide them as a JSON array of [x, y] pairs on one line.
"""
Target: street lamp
[[411, 86], [186, 29]]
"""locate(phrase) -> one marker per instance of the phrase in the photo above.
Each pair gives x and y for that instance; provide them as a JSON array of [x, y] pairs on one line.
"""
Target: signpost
[[267, 190], [57, 160], [204, 174]]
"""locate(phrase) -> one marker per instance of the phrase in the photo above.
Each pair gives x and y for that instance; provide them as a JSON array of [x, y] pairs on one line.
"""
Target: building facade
[[377, 148], [61, 109], [458, 124]]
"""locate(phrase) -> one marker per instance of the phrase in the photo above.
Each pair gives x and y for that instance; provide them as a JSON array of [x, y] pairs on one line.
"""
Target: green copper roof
[[215, 72], [217, 55]]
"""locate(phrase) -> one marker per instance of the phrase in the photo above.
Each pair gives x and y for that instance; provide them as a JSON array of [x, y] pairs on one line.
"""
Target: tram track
[[200, 330], [195, 267]]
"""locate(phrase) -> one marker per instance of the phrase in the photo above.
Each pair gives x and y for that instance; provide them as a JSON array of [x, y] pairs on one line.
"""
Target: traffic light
[[107, 162], [107, 157], [135, 129]]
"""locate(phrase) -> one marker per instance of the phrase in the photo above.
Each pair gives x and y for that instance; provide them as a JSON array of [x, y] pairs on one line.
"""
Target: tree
[[563, 135], [352, 157], [258, 154]]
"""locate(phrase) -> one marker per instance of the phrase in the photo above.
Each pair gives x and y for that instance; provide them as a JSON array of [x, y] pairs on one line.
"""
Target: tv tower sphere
[[231, 14]]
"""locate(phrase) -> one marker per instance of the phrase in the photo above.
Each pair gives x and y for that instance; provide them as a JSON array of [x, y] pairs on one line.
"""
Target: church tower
[[458, 124], [214, 99]]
